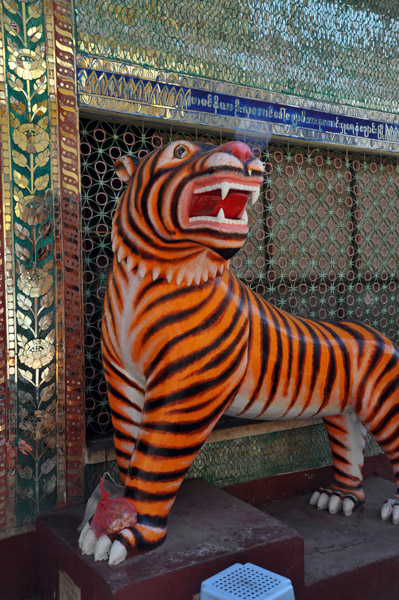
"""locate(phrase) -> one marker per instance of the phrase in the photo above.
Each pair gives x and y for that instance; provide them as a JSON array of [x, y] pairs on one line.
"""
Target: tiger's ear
[[125, 167]]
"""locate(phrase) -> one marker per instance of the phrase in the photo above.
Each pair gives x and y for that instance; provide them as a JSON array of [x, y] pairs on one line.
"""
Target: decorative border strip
[[58, 287], [122, 88], [70, 266], [8, 452], [3, 369]]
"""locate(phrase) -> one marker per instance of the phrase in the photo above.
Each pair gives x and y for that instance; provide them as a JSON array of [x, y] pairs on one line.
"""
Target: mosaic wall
[[38, 183], [247, 458], [338, 51]]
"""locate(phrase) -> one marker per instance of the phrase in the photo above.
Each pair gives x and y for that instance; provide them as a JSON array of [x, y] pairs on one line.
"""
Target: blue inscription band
[[127, 89]]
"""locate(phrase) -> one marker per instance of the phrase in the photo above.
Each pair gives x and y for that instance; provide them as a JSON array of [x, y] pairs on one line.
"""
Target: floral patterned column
[[42, 271]]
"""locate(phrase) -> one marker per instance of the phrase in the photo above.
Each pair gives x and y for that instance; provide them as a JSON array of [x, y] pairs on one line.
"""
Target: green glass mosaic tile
[[245, 459], [342, 51]]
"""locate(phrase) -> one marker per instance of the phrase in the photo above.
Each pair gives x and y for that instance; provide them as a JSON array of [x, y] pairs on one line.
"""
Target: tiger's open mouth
[[222, 203]]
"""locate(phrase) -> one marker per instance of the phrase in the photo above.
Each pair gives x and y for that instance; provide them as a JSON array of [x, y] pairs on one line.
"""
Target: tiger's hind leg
[[383, 425], [347, 438]]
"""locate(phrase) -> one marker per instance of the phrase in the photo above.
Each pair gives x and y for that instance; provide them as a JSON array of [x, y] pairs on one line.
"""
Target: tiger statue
[[184, 341]]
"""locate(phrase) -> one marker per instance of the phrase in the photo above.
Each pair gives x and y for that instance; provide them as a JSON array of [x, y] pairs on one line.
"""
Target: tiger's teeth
[[255, 196], [130, 263], [212, 268], [250, 172], [121, 254], [142, 270], [190, 277], [224, 188], [220, 218], [244, 218]]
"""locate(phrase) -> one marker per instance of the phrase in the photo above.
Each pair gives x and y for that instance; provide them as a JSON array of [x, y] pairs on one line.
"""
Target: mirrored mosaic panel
[[337, 51], [226, 462], [323, 242]]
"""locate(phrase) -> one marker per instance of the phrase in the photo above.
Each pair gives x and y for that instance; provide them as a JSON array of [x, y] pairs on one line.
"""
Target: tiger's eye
[[180, 151]]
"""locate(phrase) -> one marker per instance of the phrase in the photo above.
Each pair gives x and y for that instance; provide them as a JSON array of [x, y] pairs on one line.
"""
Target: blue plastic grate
[[246, 582]]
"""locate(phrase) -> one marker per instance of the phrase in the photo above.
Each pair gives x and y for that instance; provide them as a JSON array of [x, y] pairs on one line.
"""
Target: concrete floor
[[354, 557]]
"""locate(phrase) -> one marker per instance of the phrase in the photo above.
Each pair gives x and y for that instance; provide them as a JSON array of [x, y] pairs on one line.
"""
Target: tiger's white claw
[[83, 534], [322, 502], [89, 542], [347, 506], [314, 498], [387, 510], [334, 504], [395, 515], [117, 554], [101, 551]]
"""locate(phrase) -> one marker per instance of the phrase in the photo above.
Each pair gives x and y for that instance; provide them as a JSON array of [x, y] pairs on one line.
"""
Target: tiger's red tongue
[[209, 204]]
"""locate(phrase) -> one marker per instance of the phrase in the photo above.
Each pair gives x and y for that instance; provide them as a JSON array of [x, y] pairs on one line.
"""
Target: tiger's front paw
[[116, 547], [112, 516], [140, 538], [390, 510], [335, 500], [101, 547], [89, 543]]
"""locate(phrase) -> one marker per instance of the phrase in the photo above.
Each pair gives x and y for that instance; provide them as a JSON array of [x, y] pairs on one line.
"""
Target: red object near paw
[[112, 515]]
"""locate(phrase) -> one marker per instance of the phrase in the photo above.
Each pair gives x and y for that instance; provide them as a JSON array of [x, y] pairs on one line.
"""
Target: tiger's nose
[[238, 149]]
